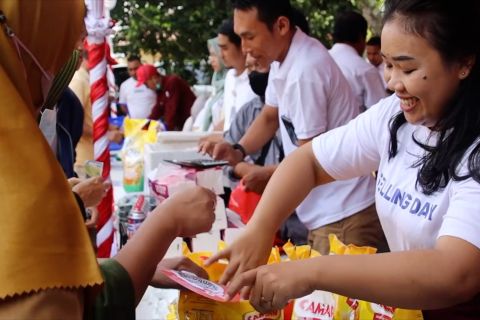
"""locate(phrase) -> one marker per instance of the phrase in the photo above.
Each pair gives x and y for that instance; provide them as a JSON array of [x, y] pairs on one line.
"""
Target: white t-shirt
[[139, 100], [409, 218], [236, 94], [310, 91], [361, 75]]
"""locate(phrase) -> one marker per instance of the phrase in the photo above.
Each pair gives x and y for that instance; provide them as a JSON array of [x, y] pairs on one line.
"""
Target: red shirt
[[174, 101]]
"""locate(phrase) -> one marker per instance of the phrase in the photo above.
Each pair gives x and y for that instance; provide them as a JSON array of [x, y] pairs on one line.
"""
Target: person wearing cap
[[138, 101], [174, 96]]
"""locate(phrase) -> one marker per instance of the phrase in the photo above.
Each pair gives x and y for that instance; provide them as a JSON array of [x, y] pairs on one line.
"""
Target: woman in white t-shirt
[[424, 142]]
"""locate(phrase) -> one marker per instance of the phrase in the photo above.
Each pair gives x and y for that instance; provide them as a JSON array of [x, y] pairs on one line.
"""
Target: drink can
[[136, 216]]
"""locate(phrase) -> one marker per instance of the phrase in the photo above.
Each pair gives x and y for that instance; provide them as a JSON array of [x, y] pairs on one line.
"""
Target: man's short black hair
[[268, 10], [133, 57], [300, 20], [349, 26], [374, 41], [226, 28]]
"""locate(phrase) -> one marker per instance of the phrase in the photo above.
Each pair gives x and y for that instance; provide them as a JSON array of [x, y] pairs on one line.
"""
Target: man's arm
[[261, 131]]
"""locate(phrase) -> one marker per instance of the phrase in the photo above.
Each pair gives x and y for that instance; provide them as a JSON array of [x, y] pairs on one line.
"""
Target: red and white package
[[319, 305], [203, 287]]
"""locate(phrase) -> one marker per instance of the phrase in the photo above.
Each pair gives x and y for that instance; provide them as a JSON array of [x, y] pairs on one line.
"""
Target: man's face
[[373, 55], [231, 54], [132, 68], [258, 40], [153, 81]]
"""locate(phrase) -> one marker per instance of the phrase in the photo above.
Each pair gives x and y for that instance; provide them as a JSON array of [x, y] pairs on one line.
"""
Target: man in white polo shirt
[[138, 101], [237, 91], [306, 96], [349, 36]]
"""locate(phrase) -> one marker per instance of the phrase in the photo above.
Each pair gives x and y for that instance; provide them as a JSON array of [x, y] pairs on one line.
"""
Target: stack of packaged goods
[[205, 299]]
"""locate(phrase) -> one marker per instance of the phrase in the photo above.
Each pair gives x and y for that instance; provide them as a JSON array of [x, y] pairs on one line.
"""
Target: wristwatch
[[239, 147]]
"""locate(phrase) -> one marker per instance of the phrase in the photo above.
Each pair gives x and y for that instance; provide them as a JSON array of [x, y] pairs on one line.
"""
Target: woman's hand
[[91, 190], [272, 286], [249, 251], [190, 212]]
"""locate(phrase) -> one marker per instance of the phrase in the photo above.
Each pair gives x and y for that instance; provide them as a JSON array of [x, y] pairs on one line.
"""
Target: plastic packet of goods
[[299, 252], [374, 311], [319, 305], [354, 309], [203, 287], [93, 168], [192, 306]]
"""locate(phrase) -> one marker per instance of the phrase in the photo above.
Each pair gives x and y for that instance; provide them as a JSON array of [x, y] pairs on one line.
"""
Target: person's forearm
[[142, 253], [261, 131], [291, 182], [424, 279]]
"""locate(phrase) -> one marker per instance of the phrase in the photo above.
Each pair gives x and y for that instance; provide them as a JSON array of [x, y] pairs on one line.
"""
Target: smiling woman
[[425, 143]]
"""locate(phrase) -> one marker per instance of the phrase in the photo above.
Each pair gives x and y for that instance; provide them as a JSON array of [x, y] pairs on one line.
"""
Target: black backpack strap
[[261, 160]]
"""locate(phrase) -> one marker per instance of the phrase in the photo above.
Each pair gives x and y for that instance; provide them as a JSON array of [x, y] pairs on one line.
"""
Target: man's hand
[[254, 178], [221, 151], [190, 212], [91, 190], [160, 280]]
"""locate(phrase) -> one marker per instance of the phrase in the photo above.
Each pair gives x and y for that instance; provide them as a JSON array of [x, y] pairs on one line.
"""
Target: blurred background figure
[[374, 56], [211, 114], [136, 101], [174, 96], [349, 36]]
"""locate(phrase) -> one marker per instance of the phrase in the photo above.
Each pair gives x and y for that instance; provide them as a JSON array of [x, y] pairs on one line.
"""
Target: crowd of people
[[374, 141]]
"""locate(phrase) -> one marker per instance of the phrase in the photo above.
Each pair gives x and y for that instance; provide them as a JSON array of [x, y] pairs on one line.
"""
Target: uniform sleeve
[[355, 149], [270, 93], [308, 101], [462, 217], [117, 298]]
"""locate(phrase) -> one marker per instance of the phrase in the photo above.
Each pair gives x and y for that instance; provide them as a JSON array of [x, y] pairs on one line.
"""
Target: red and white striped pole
[[98, 28]]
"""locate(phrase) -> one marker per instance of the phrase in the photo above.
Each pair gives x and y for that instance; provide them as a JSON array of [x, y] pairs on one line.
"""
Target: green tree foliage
[[179, 29]]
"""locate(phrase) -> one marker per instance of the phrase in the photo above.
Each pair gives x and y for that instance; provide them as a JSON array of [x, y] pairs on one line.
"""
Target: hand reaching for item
[[192, 211]]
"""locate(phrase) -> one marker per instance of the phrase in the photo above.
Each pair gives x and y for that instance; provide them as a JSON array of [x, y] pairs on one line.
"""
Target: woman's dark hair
[[226, 28], [453, 29]]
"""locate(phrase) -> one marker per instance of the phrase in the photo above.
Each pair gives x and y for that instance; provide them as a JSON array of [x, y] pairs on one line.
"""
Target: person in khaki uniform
[[48, 269]]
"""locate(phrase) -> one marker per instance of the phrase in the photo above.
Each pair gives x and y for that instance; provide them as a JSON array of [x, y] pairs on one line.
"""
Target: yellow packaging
[[195, 307], [373, 311], [299, 252], [353, 309], [317, 305], [192, 306]]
